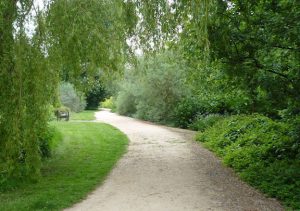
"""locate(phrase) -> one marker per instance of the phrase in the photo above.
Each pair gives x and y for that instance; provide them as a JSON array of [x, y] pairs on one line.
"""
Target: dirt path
[[164, 170]]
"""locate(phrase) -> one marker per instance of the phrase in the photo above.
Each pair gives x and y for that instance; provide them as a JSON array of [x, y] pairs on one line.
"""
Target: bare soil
[[165, 170]]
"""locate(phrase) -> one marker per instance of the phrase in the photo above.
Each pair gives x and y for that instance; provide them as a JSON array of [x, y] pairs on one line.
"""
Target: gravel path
[[164, 170]]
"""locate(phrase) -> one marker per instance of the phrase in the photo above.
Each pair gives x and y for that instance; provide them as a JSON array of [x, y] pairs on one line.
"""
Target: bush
[[95, 95], [152, 90], [186, 111], [125, 102], [72, 99], [265, 153], [108, 103], [203, 122]]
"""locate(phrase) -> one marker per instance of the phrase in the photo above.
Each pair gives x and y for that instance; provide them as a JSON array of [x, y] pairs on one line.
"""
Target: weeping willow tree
[[72, 39], [165, 23], [26, 84], [86, 37]]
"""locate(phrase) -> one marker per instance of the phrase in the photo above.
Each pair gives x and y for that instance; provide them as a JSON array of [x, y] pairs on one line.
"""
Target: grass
[[84, 115], [80, 162]]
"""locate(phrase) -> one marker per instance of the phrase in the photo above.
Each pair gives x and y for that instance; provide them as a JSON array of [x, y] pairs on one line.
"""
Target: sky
[[30, 24]]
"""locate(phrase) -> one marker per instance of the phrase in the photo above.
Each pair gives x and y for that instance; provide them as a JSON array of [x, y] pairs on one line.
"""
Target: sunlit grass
[[84, 115], [85, 156]]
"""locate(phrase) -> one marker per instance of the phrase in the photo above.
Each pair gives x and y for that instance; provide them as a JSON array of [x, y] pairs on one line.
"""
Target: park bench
[[62, 115]]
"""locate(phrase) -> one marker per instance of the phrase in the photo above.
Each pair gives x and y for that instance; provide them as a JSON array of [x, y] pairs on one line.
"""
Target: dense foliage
[[88, 36], [244, 49], [27, 85], [265, 153], [94, 95], [258, 45], [152, 89]]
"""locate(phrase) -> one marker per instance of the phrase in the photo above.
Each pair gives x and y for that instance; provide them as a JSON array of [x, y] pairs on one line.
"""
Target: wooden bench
[[62, 115]]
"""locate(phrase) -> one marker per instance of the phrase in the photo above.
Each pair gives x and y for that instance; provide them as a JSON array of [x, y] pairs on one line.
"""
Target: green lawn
[[84, 115], [85, 156]]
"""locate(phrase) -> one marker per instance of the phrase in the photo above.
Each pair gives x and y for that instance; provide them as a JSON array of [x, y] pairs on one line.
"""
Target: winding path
[[164, 170]]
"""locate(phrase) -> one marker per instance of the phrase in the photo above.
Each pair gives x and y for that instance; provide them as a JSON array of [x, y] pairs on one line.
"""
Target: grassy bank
[[79, 163], [265, 153]]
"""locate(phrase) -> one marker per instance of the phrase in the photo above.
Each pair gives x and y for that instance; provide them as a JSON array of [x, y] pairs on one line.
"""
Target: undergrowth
[[265, 153]]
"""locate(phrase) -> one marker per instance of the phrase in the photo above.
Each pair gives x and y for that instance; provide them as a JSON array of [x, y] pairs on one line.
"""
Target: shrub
[[108, 103], [202, 122], [72, 99], [186, 111], [95, 95], [125, 102], [152, 90], [262, 151]]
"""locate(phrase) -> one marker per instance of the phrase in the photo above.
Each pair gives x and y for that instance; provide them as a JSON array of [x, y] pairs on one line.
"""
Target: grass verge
[[80, 162], [84, 115]]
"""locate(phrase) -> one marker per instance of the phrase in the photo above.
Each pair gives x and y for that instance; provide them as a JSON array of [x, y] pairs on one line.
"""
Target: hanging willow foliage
[[178, 24], [88, 37], [164, 22], [72, 39], [27, 85]]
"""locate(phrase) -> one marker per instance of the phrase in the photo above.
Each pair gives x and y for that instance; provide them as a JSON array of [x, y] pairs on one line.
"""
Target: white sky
[[29, 23]]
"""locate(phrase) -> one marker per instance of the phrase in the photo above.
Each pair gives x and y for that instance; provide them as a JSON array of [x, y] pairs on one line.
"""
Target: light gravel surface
[[165, 170]]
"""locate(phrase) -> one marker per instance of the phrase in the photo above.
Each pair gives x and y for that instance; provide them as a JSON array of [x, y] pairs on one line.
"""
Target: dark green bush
[[280, 179], [202, 122], [96, 94], [191, 111], [186, 111], [265, 153]]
